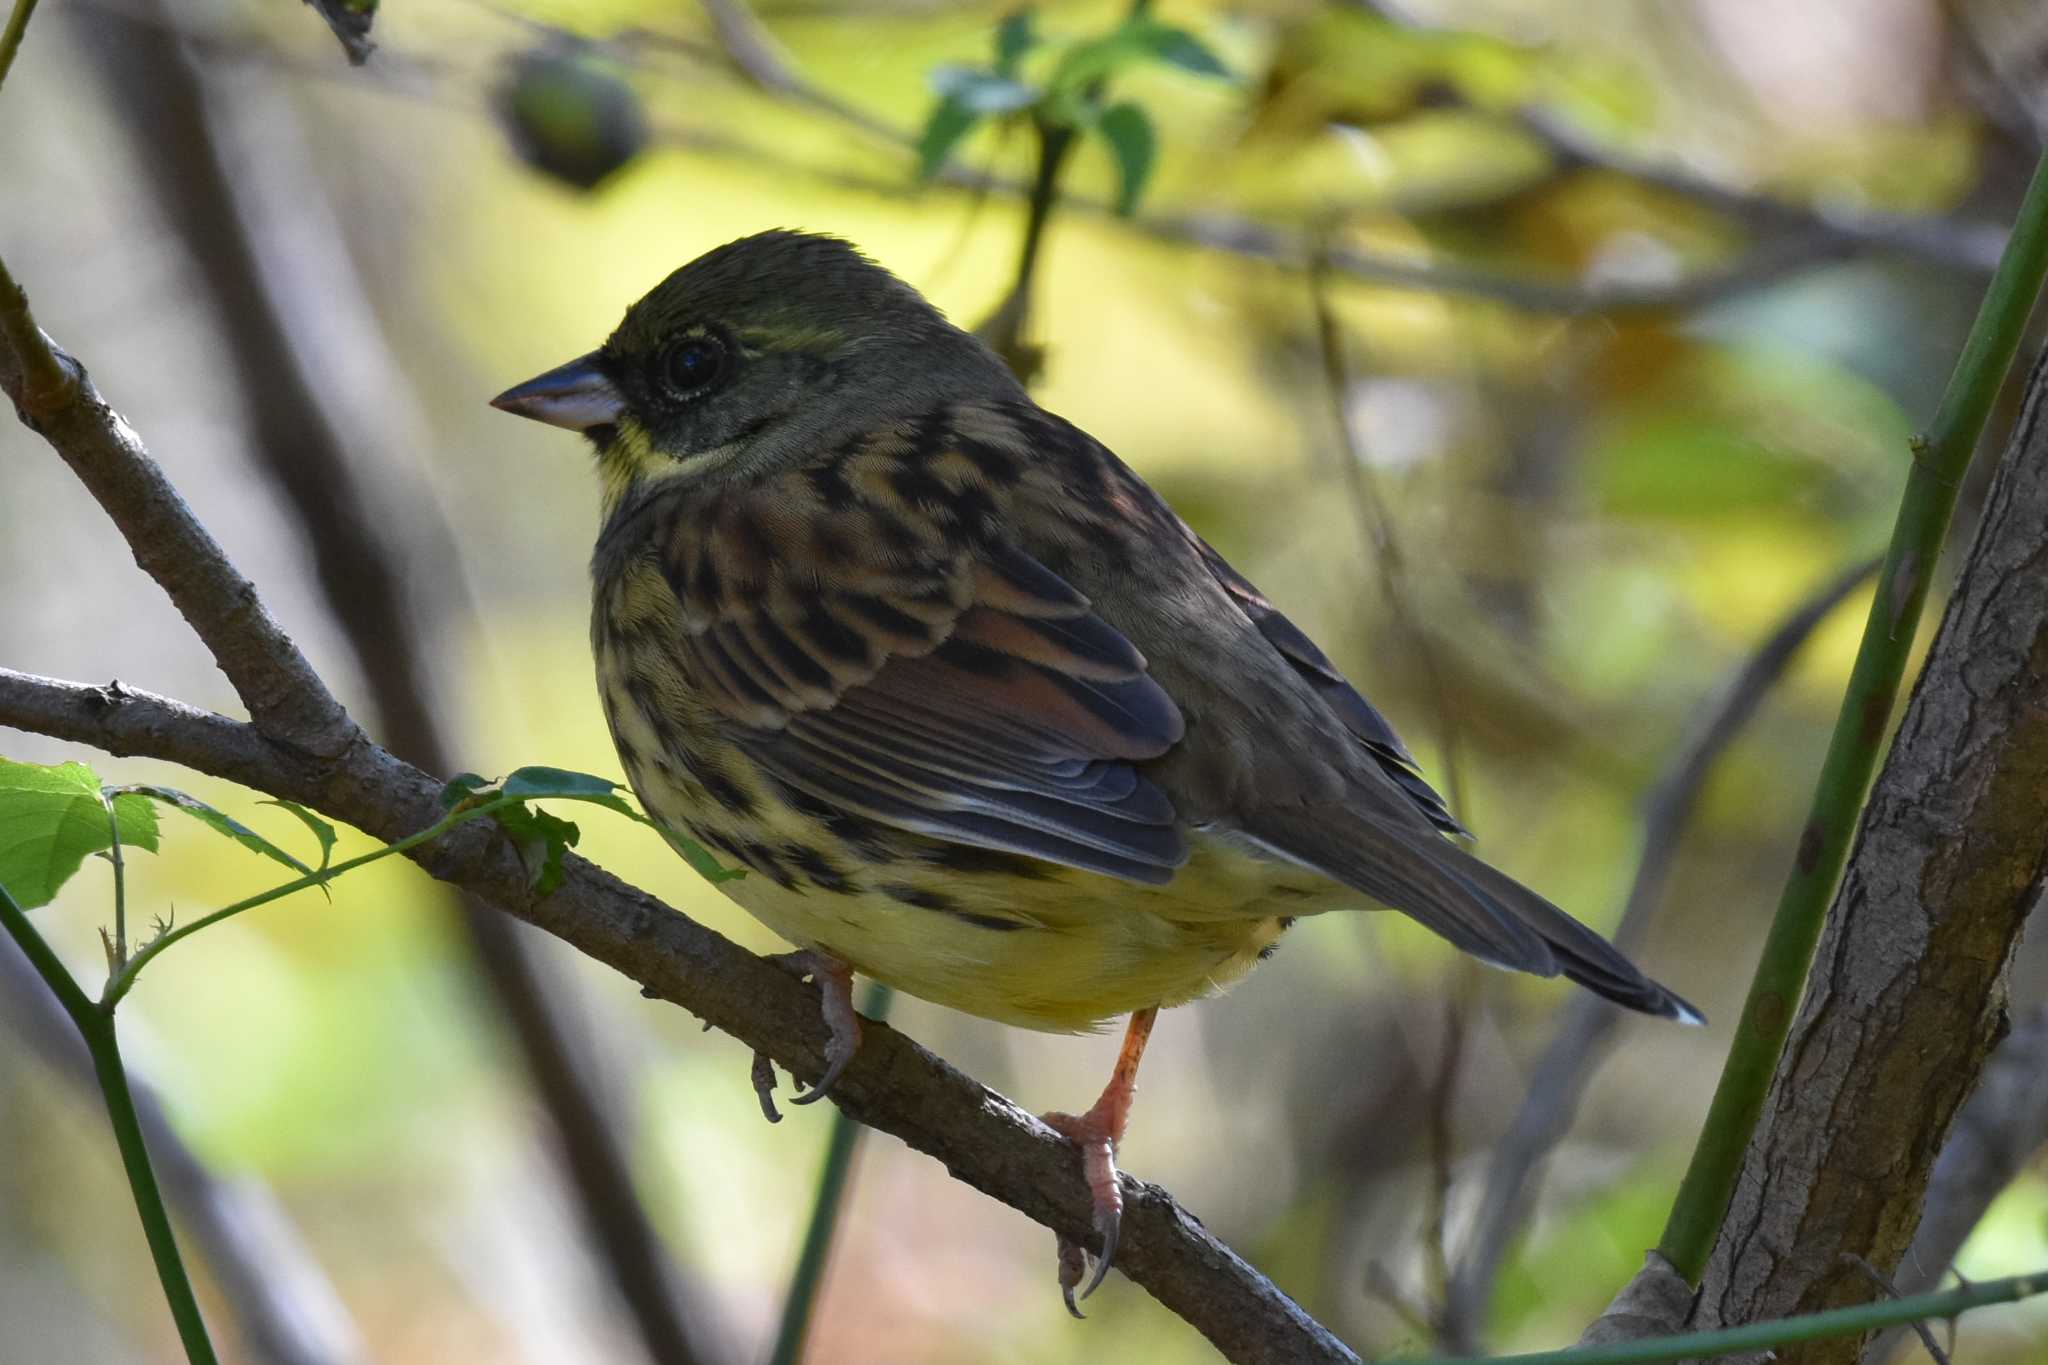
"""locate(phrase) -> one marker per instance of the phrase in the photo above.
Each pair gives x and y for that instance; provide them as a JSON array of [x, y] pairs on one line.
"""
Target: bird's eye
[[695, 364]]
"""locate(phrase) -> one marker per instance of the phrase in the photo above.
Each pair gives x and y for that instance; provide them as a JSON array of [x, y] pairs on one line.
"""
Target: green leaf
[[1137, 40], [461, 788], [52, 819], [949, 122], [1178, 47], [982, 92], [220, 823], [541, 839], [1014, 37], [1128, 132], [700, 858], [535, 783], [322, 831]]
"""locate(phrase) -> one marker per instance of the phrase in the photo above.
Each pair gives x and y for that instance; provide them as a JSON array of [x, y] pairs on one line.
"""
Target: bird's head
[[753, 358]]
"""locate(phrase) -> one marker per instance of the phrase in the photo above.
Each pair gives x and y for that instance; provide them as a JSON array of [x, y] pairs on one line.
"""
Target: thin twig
[[835, 1179], [893, 1084], [1884, 1282], [11, 35], [1560, 1076], [1376, 527]]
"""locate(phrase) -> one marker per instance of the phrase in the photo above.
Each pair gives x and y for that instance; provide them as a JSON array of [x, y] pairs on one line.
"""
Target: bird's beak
[[576, 395]]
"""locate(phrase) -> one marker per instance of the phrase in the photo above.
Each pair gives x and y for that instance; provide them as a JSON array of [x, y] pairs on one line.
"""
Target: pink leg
[[835, 984], [1097, 1134]]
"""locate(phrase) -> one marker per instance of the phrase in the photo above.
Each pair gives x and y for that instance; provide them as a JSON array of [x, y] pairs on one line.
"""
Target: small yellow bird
[[982, 717]]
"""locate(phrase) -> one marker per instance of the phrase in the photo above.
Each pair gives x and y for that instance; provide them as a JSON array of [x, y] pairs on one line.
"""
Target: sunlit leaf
[[982, 92], [1137, 40], [52, 819], [221, 823], [1128, 131]]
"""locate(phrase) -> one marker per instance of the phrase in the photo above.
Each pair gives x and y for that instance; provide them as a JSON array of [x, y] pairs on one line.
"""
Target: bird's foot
[[1096, 1133], [842, 1022]]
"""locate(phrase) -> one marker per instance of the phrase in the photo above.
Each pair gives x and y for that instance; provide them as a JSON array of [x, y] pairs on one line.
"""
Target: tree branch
[[1907, 996], [317, 383], [893, 1084], [309, 751]]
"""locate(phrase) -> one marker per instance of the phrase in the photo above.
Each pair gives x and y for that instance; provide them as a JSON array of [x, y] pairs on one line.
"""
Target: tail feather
[[1478, 908]]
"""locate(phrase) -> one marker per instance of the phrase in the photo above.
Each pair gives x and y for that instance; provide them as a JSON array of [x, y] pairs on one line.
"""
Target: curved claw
[[1073, 1265], [1109, 1222], [835, 989]]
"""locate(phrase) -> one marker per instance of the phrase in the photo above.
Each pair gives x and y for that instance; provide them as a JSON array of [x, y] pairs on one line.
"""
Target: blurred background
[[1539, 359]]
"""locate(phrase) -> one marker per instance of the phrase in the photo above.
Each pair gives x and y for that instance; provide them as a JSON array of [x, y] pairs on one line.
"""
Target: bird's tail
[[1478, 908]]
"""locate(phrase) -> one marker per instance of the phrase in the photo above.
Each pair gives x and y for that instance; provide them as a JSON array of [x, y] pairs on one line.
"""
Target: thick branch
[[893, 1084], [1907, 995]]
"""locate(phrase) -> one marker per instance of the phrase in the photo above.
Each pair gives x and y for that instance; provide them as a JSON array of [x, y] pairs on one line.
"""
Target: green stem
[[120, 954], [1757, 1336], [1939, 463], [96, 1026], [833, 1180], [10, 37], [121, 984]]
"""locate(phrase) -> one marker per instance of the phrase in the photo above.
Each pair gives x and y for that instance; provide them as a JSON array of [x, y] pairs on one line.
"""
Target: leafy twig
[[95, 1024]]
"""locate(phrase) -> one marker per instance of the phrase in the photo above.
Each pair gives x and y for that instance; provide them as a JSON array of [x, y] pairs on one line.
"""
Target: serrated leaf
[[1015, 36], [981, 92], [541, 839], [949, 122], [220, 822], [1128, 131], [322, 831], [562, 784], [52, 820]]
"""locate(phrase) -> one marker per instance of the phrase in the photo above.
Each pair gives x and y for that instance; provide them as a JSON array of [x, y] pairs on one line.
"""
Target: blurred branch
[[1811, 242], [1375, 527], [1560, 1076], [292, 751], [751, 49], [316, 379], [835, 1179], [1939, 462], [350, 20], [1997, 1133], [288, 1309]]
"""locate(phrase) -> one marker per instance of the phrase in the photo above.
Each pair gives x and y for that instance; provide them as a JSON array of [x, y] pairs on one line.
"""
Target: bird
[[976, 712]]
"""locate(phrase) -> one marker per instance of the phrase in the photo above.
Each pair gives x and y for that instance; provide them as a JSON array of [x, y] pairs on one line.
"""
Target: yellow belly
[[1006, 937]]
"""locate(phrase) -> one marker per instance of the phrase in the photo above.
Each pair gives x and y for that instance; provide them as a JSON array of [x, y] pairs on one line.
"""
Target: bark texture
[[1907, 995]]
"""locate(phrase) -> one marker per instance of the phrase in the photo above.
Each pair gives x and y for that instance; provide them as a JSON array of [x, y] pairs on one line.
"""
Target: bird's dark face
[[752, 358]]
